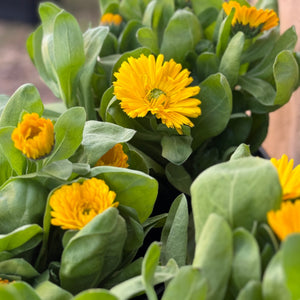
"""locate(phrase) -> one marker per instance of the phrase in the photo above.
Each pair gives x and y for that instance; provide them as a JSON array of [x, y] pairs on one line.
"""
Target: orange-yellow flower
[[289, 178], [111, 19], [4, 281], [34, 136], [114, 157], [145, 85], [250, 20], [75, 205], [286, 220]]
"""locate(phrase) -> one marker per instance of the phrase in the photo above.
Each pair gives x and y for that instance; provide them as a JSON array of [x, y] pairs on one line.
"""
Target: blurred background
[[18, 18]]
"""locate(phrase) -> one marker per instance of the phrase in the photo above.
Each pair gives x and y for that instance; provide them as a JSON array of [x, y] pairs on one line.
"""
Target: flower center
[[32, 132], [86, 211], [157, 100], [154, 94]]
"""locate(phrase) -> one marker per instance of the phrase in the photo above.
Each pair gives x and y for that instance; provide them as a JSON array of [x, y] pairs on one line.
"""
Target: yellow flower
[[114, 157], [289, 178], [34, 136], [250, 20], [111, 19], [4, 281], [147, 85], [75, 205], [286, 220]]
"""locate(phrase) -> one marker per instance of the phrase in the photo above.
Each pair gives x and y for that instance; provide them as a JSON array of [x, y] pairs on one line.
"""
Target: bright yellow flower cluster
[[148, 85], [75, 205], [111, 19], [114, 157], [250, 20], [286, 220], [34, 136]]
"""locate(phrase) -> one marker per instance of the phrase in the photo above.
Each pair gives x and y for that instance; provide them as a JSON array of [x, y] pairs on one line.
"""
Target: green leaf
[[252, 290], [59, 169], [148, 39], [134, 286], [3, 101], [68, 134], [262, 91], [133, 188], [105, 100], [236, 132], [242, 183], [99, 137], [22, 202], [176, 149], [131, 9], [128, 40], [50, 291], [246, 264], [104, 4], [201, 5], [207, 64], [179, 178], [230, 61], [242, 151], [48, 12], [18, 290], [267, 4], [95, 294], [13, 156], [259, 131], [264, 69], [177, 41], [134, 228], [258, 48], [189, 284], [82, 267], [26, 98], [34, 49], [162, 11], [215, 262], [175, 232], [125, 273], [285, 72], [291, 264], [18, 267], [68, 54], [149, 265], [5, 167], [93, 41], [224, 33], [216, 105], [20, 236], [274, 281]]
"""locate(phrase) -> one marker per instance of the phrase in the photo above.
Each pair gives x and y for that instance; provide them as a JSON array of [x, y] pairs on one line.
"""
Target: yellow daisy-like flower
[[286, 220], [250, 20], [75, 205], [146, 85], [114, 157], [111, 19], [289, 177], [34, 136]]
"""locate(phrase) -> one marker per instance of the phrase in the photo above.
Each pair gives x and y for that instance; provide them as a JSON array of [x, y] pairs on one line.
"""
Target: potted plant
[[145, 174]]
